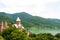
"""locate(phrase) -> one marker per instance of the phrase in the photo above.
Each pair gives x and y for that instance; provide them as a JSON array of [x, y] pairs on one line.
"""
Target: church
[[4, 25], [18, 24]]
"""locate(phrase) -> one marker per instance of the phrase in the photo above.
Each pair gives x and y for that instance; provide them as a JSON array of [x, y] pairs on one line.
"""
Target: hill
[[4, 17], [32, 22]]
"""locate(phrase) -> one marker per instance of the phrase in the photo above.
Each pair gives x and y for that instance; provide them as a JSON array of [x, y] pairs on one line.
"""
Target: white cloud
[[42, 8]]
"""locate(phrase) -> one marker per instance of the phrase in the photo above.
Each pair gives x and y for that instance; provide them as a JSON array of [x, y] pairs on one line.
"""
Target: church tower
[[18, 24], [18, 21]]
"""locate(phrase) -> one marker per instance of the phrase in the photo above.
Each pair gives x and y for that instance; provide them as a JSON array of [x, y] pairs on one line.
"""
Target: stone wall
[[3, 25]]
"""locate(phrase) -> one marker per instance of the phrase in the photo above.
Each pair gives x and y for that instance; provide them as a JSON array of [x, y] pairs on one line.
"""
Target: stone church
[[18, 24], [4, 25]]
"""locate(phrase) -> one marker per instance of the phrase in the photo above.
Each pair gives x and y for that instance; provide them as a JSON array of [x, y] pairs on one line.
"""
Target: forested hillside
[[32, 22]]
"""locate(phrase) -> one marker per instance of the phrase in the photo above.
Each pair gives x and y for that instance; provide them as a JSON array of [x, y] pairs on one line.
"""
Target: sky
[[42, 8]]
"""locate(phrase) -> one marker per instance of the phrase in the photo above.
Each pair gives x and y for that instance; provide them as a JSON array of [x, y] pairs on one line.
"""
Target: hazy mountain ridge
[[30, 21]]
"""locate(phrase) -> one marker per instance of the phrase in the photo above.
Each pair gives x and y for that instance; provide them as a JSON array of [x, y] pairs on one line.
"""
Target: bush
[[57, 35], [15, 34], [18, 35], [6, 33]]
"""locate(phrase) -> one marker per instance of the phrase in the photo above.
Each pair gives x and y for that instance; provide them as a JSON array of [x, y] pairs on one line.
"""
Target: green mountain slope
[[32, 22], [5, 17]]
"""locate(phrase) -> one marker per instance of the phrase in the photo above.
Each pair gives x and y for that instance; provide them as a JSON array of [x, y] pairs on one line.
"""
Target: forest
[[13, 33], [38, 26]]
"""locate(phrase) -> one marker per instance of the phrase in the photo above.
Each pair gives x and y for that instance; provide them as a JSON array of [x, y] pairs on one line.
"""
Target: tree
[[6, 33], [18, 35], [15, 34], [57, 35], [44, 37]]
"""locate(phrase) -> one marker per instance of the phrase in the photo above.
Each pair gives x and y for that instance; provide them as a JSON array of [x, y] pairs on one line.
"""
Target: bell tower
[[18, 21], [18, 24]]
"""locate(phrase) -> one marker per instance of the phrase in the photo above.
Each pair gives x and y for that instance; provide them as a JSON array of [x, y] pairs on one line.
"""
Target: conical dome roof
[[18, 19]]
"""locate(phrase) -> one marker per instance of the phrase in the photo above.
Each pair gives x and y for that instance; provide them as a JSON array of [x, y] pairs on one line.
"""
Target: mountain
[[32, 22], [4, 17]]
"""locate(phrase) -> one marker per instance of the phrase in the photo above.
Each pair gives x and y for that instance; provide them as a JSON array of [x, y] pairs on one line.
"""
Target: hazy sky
[[43, 8]]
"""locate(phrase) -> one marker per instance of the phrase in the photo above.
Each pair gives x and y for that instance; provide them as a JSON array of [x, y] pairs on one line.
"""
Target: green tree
[[15, 34], [18, 35], [6, 33], [57, 35], [44, 37]]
